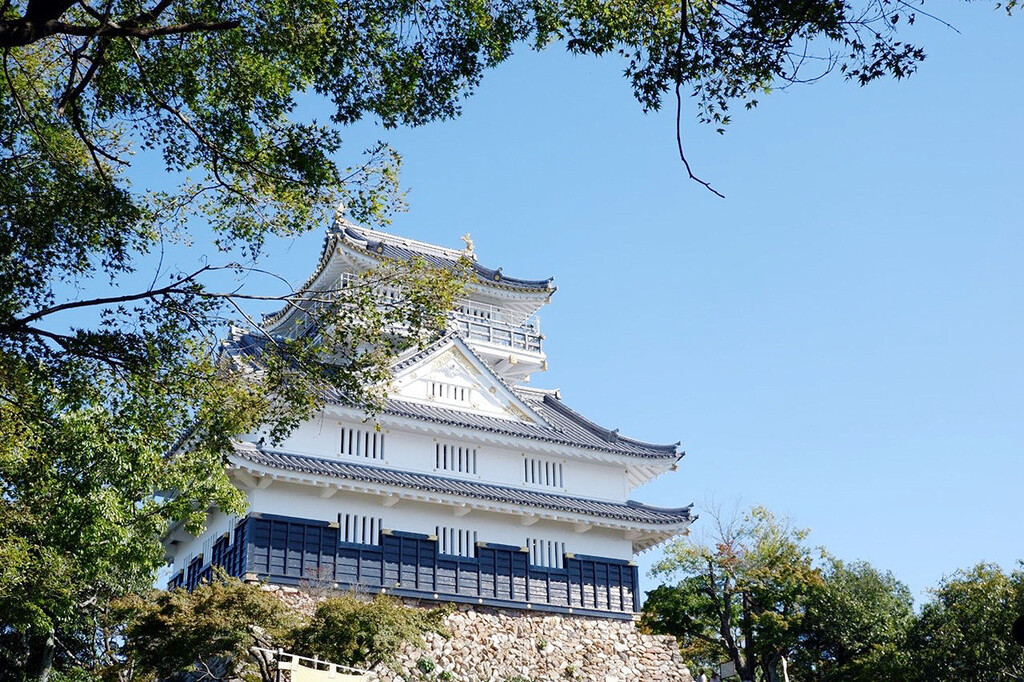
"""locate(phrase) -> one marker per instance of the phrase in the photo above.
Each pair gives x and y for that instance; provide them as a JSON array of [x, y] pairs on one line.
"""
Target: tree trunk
[[40, 659], [747, 627]]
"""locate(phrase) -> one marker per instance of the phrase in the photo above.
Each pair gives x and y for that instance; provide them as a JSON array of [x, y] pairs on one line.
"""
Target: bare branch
[[151, 14], [70, 343], [679, 145], [918, 10], [71, 94]]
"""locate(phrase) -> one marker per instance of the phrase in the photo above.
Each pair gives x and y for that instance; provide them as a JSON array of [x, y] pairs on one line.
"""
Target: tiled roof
[[381, 244], [566, 426], [413, 355], [562, 425], [634, 512]]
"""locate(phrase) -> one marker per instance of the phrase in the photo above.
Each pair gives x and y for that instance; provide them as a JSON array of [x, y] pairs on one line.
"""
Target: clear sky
[[839, 339]]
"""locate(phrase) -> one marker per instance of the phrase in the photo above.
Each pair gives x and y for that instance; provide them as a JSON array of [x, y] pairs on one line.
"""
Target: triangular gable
[[451, 375]]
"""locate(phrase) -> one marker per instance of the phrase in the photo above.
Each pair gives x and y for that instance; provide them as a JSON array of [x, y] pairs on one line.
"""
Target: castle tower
[[470, 486]]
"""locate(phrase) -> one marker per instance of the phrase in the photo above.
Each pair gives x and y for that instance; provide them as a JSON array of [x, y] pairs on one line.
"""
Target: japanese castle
[[470, 486]]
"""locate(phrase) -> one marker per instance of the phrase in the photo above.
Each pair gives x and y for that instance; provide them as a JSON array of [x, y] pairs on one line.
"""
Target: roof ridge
[[326, 251], [353, 234], [538, 390], [412, 410], [359, 232], [610, 435], [347, 232], [637, 504]]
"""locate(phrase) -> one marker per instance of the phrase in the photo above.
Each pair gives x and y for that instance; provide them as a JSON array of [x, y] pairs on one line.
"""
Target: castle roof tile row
[[631, 511]]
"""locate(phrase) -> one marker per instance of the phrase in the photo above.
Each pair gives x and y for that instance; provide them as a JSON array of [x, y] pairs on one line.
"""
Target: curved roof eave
[[629, 512], [384, 245], [400, 248], [610, 435]]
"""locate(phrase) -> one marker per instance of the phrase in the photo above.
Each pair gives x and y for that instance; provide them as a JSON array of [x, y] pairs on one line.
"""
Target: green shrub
[[212, 628], [358, 633]]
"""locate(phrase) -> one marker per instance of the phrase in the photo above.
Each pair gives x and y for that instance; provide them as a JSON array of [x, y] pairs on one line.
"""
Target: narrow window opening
[[362, 443], [543, 472]]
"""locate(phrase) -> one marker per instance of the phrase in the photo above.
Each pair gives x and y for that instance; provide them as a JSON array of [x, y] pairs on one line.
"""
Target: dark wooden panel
[[469, 578], [371, 567], [288, 550], [558, 589], [347, 563], [278, 548]]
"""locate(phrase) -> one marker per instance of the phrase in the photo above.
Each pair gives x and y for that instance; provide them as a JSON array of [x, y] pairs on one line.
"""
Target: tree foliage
[[212, 630], [737, 595], [352, 631], [855, 626], [963, 632], [220, 631], [750, 593], [87, 484], [211, 90]]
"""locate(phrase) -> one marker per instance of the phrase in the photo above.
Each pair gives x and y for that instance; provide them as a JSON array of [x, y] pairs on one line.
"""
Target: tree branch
[[150, 293], [41, 21], [684, 33], [144, 33]]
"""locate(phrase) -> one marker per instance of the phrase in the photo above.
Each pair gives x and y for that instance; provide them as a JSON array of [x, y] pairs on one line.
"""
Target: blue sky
[[839, 339]]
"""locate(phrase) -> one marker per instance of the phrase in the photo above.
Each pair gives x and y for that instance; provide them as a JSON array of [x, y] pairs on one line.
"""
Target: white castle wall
[[321, 437]]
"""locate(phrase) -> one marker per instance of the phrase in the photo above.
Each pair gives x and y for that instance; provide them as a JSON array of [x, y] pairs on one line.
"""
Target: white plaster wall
[[295, 500], [318, 437], [321, 437]]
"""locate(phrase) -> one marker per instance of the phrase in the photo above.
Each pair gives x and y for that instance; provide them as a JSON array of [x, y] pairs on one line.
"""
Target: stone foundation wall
[[502, 645]]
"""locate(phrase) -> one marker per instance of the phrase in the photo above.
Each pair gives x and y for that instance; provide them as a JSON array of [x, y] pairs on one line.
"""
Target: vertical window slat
[[362, 443], [449, 392], [461, 459], [543, 472], [359, 529], [546, 553], [455, 541]]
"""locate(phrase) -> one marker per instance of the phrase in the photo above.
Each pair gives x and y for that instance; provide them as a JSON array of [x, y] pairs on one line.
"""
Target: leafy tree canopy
[[963, 632], [855, 626], [217, 632], [214, 630], [739, 594], [750, 593], [365, 634], [87, 485]]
